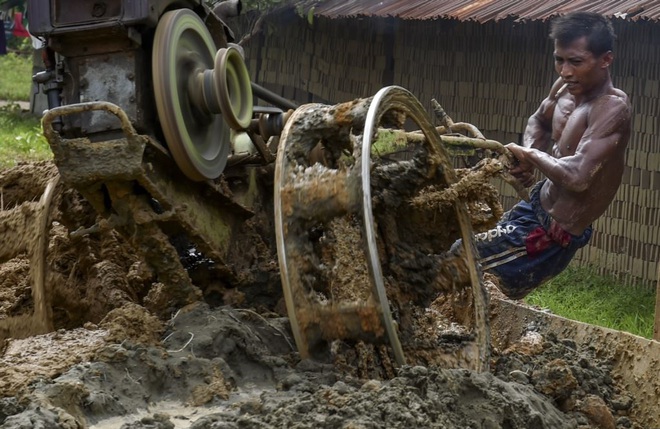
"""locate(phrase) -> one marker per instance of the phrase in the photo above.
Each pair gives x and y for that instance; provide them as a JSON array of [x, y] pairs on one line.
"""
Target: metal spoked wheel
[[312, 199], [183, 53], [35, 221]]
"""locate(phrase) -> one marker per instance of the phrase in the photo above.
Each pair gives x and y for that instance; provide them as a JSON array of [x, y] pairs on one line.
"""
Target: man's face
[[579, 68]]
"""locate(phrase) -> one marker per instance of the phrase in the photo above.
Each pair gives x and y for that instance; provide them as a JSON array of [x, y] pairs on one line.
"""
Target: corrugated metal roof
[[486, 10]]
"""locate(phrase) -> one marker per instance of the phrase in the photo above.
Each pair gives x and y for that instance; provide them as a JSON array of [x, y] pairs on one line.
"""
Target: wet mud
[[228, 362]]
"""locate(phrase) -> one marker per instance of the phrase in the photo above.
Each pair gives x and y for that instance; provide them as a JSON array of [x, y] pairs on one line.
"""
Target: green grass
[[16, 72], [21, 138], [579, 293]]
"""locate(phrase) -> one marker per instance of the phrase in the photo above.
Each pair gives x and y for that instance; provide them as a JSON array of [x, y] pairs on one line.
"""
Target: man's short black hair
[[598, 30]]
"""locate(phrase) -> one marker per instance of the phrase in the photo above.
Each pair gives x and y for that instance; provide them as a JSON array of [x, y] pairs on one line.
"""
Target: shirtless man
[[585, 122]]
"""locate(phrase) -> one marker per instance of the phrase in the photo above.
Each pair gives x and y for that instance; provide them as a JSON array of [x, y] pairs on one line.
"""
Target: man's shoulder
[[614, 101], [618, 96], [611, 113]]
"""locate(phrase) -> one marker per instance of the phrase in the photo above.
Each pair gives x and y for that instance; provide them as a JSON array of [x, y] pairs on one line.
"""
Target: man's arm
[[609, 123], [538, 134]]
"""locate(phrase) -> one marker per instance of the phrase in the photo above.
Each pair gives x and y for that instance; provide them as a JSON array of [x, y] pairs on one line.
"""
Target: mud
[[87, 276], [228, 363]]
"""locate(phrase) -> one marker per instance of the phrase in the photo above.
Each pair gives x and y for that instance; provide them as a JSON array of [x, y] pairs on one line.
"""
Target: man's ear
[[606, 59]]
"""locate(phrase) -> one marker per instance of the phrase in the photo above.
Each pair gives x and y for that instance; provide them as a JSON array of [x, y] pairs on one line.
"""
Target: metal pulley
[[201, 93]]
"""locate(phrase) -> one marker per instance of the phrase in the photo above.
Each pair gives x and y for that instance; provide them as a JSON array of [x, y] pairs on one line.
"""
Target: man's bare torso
[[575, 211]]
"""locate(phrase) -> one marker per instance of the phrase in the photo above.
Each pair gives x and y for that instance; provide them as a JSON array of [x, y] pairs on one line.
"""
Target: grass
[[16, 72], [579, 293], [21, 138]]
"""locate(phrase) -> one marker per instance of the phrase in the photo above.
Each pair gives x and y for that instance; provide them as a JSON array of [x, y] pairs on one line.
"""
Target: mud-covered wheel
[[331, 218], [29, 225]]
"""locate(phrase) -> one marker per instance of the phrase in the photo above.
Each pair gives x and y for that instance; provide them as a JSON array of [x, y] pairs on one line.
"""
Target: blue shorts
[[527, 247]]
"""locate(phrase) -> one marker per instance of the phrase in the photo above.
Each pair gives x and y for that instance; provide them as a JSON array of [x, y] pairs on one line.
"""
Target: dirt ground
[[223, 363]]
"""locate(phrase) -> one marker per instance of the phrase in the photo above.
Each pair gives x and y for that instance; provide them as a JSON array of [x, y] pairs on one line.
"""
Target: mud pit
[[229, 363]]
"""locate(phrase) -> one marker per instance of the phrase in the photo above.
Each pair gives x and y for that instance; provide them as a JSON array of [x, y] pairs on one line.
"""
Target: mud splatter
[[110, 363]]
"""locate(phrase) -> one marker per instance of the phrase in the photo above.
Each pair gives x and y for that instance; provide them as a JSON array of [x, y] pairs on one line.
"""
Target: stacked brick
[[492, 75]]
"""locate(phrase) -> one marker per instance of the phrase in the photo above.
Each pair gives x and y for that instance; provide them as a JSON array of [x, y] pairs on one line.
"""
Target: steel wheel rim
[[386, 99], [301, 205], [281, 231]]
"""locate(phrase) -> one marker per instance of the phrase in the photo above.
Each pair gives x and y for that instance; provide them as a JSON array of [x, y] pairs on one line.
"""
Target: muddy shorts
[[527, 247]]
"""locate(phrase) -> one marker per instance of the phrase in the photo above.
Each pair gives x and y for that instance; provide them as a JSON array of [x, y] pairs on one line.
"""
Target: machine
[[153, 117]]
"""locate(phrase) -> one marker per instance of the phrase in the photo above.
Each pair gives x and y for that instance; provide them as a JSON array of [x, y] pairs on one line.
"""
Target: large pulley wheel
[[200, 94], [310, 197]]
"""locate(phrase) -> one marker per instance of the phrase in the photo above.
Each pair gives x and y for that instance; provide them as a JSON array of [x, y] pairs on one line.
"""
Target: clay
[[227, 362]]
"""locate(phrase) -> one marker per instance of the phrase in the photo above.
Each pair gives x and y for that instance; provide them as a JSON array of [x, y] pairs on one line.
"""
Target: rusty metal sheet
[[486, 10]]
